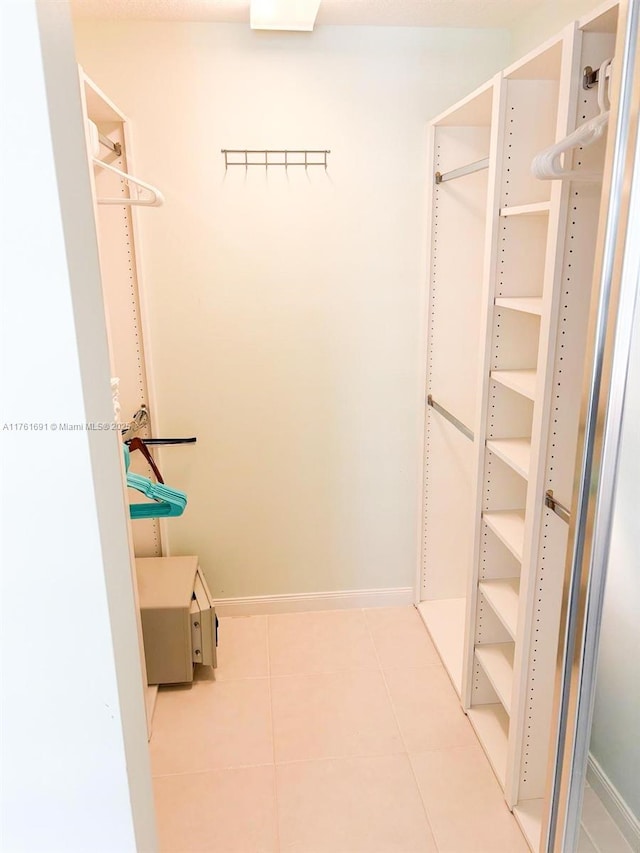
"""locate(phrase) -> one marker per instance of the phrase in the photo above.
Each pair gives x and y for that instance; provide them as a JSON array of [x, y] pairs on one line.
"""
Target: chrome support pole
[[449, 417], [591, 516], [112, 146], [478, 166], [555, 506]]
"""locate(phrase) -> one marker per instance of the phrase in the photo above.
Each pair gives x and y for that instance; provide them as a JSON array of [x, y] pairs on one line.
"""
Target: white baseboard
[[299, 602], [610, 798]]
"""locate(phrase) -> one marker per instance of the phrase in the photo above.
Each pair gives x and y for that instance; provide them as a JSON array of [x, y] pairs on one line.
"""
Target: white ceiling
[[390, 13]]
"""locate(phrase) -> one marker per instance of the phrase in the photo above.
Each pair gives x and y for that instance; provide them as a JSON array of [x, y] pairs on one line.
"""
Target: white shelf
[[472, 111], [491, 724], [526, 304], [502, 595], [516, 452], [508, 525], [496, 659], [445, 621], [528, 813], [537, 209], [521, 381], [99, 106]]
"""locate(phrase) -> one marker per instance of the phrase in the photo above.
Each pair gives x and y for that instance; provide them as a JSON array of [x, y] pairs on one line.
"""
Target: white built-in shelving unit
[[505, 348], [461, 136], [122, 284], [123, 293]]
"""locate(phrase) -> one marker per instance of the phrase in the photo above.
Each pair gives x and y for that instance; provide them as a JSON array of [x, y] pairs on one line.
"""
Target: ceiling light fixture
[[298, 15]]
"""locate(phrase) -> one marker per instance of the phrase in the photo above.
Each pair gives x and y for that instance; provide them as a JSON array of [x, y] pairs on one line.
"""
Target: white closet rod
[[156, 199]]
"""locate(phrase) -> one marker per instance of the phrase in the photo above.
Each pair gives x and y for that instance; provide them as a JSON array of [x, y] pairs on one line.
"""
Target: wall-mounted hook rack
[[275, 157]]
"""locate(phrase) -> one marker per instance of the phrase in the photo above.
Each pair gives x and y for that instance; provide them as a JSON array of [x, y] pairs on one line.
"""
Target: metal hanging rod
[[112, 146], [478, 166], [165, 442], [275, 157], [560, 510], [449, 417], [590, 77]]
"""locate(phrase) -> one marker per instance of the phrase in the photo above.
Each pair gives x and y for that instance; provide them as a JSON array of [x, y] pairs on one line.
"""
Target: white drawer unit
[[179, 624]]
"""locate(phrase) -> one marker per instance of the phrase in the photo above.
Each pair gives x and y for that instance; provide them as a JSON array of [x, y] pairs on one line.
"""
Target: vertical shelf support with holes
[[520, 305]]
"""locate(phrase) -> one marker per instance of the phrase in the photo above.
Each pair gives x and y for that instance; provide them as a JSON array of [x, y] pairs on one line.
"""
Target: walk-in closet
[[333, 360]]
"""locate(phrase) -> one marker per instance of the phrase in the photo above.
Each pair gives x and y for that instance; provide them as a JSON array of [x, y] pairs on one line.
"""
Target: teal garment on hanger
[[167, 502]]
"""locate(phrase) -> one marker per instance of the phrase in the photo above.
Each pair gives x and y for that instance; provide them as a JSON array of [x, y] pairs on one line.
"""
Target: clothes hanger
[[166, 502], [156, 199], [138, 444], [547, 164]]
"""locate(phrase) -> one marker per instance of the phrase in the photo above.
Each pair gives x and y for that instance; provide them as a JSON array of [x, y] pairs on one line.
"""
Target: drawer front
[[196, 632], [167, 646], [203, 624]]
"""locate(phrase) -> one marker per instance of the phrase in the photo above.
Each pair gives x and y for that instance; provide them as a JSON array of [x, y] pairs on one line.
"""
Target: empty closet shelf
[[496, 659], [526, 304], [503, 597], [508, 525], [491, 724], [445, 620], [516, 452], [539, 208], [521, 381]]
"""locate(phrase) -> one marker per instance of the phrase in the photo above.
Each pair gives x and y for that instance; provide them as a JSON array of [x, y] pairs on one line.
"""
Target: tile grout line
[[596, 846], [404, 743], [307, 674], [201, 771], [291, 761], [273, 737]]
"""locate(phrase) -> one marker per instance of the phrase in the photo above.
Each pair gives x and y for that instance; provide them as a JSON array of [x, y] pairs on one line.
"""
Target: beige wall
[[549, 17], [285, 308]]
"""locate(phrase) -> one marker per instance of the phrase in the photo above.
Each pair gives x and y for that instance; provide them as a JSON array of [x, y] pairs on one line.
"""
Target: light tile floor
[[325, 732]]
